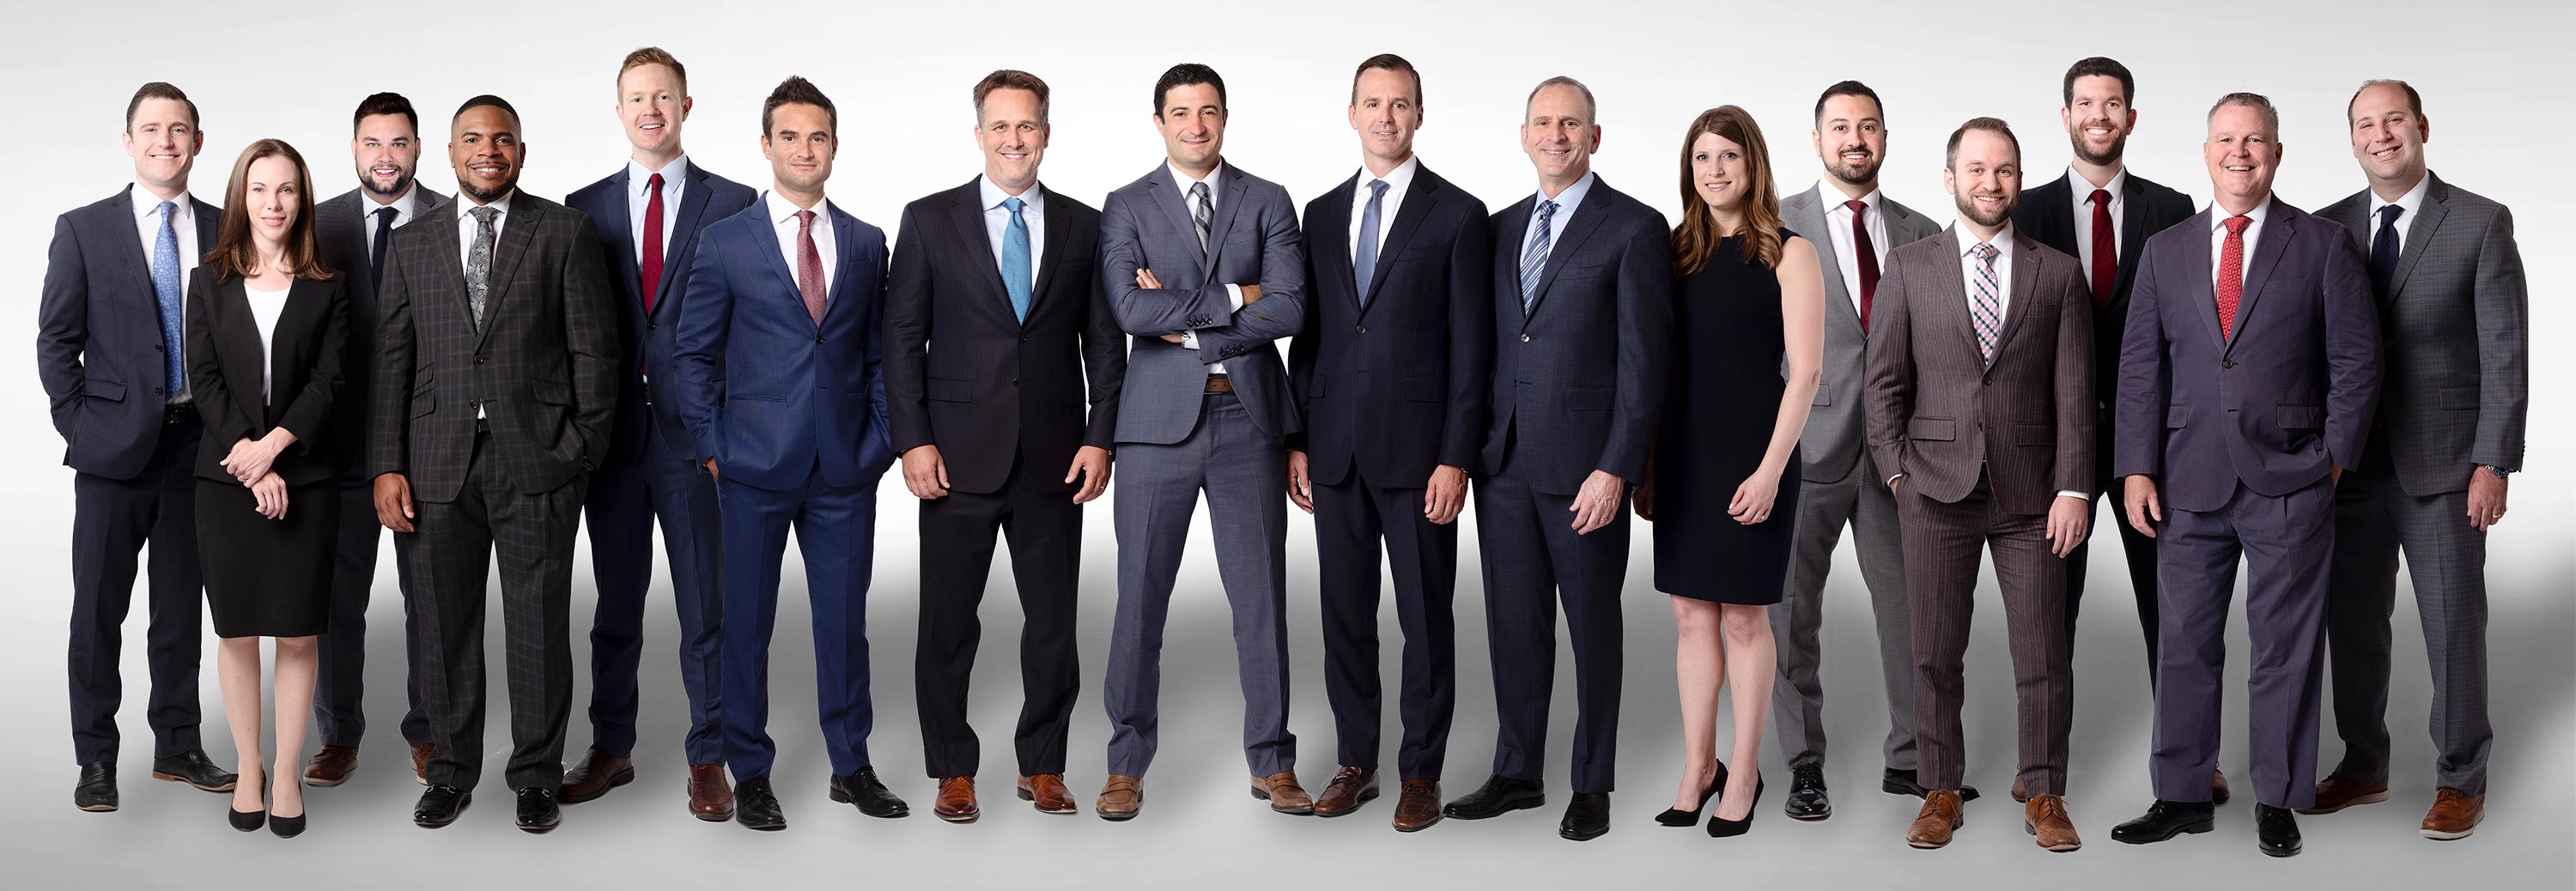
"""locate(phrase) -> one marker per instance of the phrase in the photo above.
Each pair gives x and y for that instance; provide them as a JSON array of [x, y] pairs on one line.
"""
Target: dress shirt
[[1398, 182], [265, 307], [997, 223], [465, 228], [1968, 263], [639, 183], [183, 223], [2412, 201], [2218, 242], [2082, 190], [782, 214], [1566, 202], [1233, 290], [406, 206], [1838, 227]]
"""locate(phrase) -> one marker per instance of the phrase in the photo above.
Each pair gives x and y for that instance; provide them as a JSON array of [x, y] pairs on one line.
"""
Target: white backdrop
[[2493, 74]]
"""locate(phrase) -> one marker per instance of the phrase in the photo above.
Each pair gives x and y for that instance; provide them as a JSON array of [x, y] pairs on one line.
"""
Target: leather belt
[[1218, 383]]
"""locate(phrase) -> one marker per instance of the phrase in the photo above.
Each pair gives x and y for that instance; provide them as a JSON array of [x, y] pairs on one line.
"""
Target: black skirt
[[264, 577]]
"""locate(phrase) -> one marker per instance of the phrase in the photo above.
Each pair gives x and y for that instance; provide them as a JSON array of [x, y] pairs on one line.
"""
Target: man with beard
[[496, 362], [355, 233], [1980, 403], [1840, 483]]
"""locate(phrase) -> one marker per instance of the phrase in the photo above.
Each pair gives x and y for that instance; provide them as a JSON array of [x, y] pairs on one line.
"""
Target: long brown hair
[[234, 255], [1695, 240]]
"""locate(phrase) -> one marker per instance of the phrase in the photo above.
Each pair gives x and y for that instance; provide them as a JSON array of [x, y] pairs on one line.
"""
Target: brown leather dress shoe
[[1120, 798], [331, 766], [1417, 805], [956, 803], [420, 763], [598, 773], [1938, 819], [2337, 792], [1350, 788], [2218, 787], [1283, 793], [2045, 819], [1047, 791], [2454, 816], [710, 797]]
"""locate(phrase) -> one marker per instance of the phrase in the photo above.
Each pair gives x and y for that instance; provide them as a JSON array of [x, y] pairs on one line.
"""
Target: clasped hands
[[1145, 279], [250, 462]]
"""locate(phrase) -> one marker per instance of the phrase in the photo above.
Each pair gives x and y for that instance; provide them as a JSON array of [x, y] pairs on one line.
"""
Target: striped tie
[[1199, 212], [1534, 255], [1986, 310]]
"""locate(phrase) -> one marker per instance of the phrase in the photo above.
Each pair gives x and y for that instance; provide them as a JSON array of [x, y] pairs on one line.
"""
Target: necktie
[[1985, 307], [2231, 275], [478, 261], [165, 291], [1534, 256], [1199, 213], [2106, 256], [384, 239], [1016, 277], [2383, 250], [809, 266], [1868, 257], [649, 277], [1364, 255]]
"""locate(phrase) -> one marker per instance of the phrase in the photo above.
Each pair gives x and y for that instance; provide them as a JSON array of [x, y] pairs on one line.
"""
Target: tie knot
[[1546, 210], [654, 183], [1377, 188], [1857, 206], [1199, 190], [2388, 213], [2236, 225], [168, 206], [2101, 196], [384, 213], [804, 218], [1013, 204], [1984, 252], [484, 214]]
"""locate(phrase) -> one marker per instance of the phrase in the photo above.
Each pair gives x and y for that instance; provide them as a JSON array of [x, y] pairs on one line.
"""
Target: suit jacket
[[965, 374], [1836, 431], [648, 340], [1943, 416], [1252, 238], [2457, 326], [99, 345], [1401, 386], [542, 366], [343, 230], [1586, 366], [794, 395], [2275, 407], [227, 350], [2046, 213]]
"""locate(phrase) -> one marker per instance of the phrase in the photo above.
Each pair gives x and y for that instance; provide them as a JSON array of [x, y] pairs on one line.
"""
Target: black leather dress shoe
[[96, 790], [756, 807], [1587, 817], [194, 768], [440, 804], [2275, 831], [1904, 782], [539, 813], [1498, 796], [1807, 799], [872, 797], [2166, 819]]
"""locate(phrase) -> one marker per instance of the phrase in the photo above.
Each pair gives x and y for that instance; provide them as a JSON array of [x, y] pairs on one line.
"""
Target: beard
[[482, 196], [367, 180], [1969, 208], [2119, 144], [1860, 174]]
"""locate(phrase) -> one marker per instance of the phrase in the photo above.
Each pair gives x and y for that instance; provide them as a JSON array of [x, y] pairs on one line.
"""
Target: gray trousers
[[1860, 499], [2286, 542], [1244, 472], [2447, 560]]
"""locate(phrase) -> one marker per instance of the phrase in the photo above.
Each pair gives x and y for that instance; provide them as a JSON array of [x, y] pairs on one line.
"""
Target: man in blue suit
[[649, 215], [107, 350], [782, 391]]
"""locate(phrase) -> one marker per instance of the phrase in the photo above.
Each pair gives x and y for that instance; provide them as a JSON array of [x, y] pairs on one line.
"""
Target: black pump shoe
[[247, 821], [1673, 816], [1718, 828]]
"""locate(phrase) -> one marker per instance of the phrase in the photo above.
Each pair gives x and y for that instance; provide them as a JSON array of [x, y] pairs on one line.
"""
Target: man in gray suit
[[2432, 479], [1206, 407], [1854, 228], [1980, 404]]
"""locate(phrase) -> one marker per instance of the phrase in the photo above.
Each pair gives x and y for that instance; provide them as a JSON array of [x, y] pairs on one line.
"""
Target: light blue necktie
[[165, 286], [1015, 259], [1365, 265], [1534, 255]]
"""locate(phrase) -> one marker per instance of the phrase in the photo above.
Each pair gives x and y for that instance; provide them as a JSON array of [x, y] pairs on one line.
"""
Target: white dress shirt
[[1398, 182], [2412, 202], [183, 223], [406, 207], [782, 214], [265, 307], [465, 229], [997, 223], [2082, 190], [2218, 242], [1233, 291], [639, 186], [1838, 226]]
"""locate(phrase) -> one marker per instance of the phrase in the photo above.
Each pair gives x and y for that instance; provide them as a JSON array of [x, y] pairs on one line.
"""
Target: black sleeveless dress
[[1718, 415]]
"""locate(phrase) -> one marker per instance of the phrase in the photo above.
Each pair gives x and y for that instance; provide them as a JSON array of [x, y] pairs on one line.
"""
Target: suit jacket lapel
[[1950, 305], [1228, 189], [448, 264], [1333, 255], [1408, 218], [684, 234], [2419, 235], [1510, 229], [2201, 287], [135, 256], [772, 252], [2267, 254], [237, 339], [1059, 209], [621, 239], [1587, 217], [2133, 237], [210, 224], [845, 242], [518, 231], [966, 216], [2025, 282]]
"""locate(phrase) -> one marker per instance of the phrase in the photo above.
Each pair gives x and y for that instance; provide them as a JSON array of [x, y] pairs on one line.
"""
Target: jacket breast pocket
[[941, 390], [2300, 417], [1932, 429], [1584, 272], [1590, 398]]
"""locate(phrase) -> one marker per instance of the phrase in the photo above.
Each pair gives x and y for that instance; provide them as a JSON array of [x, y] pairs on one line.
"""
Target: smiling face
[[388, 154], [1985, 179], [484, 145], [271, 196], [163, 141], [2388, 137], [2098, 121], [1193, 125], [652, 104], [800, 146], [1013, 137], [1721, 172], [2243, 154], [1559, 135], [1851, 139], [1386, 114]]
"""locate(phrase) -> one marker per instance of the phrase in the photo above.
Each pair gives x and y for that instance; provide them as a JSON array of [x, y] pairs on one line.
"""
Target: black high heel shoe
[[247, 821], [1678, 817], [1718, 828], [289, 827]]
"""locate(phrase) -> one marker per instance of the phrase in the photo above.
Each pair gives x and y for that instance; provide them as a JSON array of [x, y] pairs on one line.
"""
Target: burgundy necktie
[[2231, 275], [651, 279], [809, 266], [1868, 257], [2106, 258]]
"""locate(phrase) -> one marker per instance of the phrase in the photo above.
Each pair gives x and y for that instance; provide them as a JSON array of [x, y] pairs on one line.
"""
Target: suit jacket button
[[478, 360], [1524, 338], [1024, 338], [1363, 328], [818, 338], [2226, 363], [159, 348], [649, 326]]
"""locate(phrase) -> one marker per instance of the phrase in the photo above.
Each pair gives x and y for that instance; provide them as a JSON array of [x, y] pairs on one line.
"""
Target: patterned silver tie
[[1986, 309], [1534, 255], [478, 261], [1199, 214]]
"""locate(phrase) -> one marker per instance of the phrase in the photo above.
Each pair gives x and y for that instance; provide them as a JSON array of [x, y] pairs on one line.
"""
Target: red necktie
[[2231, 275], [809, 266], [1868, 258], [2106, 258], [651, 280]]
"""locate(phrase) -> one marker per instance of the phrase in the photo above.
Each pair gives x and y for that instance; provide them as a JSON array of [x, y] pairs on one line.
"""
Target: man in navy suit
[[1583, 317], [649, 215], [782, 391], [1391, 378], [107, 350], [2248, 375]]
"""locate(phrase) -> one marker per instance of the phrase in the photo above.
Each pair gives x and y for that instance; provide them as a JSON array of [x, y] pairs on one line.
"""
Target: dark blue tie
[[2383, 250], [384, 239], [1364, 262]]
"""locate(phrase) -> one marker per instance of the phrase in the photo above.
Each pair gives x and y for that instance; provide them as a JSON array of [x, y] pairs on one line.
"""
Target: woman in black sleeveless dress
[[1721, 492]]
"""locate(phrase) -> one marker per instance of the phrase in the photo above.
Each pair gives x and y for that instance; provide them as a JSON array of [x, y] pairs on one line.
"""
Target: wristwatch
[[2500, 473]]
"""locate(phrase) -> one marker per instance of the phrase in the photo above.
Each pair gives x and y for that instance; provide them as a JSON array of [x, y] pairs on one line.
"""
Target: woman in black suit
[[266, 324]]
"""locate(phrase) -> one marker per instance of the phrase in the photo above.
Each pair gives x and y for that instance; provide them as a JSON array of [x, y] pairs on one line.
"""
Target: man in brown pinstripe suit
[[1979, 399]]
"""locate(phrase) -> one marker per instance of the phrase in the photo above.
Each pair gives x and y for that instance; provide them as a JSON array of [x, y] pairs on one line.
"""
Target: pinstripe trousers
[[1941, 556]]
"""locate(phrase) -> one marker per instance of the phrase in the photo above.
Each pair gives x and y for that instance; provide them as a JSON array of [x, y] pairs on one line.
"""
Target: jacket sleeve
[[1645, 298], [2351, 318], [706, 319], [1281, 311], [590, 340], [1888, 372], [389, 406], [907, 337], [62, 323], [2138, 416], [1149, 312], [1471, 340], [2074, 384], [2504, 351], [206, 386]]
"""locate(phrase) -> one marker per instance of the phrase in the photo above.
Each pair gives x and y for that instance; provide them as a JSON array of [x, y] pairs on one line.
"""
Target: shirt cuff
[[1233, 297], [1892, 478], [2070, 493], [1190, 340]]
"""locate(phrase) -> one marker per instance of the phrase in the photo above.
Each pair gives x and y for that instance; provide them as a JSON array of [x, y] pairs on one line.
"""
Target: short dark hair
[[1008, 79], [654, 55], [158, 90], [1186, 74], [796, 89], [1950, 160], [385, 103], [2099, 66], [481, 101], [2414, 100], [1851, 88], [1387, 62], [2256, 101]]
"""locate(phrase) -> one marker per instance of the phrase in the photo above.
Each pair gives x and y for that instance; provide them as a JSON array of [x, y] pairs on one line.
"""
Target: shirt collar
[[1967, 238], [1834, 199], [1183, 180], [2083, 188], [993, 196], [1397, 180], [639, 178], [2412, 201], [1572, 196], [2218, 215], [783, 212], [465, 204], [147, 204]]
